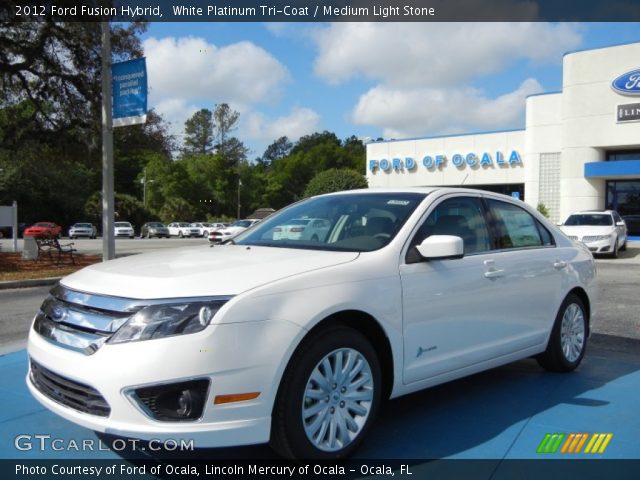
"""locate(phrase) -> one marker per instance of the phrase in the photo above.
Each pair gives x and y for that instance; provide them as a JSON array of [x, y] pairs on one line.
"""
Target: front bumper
[[236, 358], [601, 246]]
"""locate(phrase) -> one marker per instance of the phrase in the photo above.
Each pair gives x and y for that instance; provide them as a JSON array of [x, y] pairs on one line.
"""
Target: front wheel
[[568, 339], [329, 396]]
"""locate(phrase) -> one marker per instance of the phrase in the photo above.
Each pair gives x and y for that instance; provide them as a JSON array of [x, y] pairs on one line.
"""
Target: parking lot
[[501, 414]]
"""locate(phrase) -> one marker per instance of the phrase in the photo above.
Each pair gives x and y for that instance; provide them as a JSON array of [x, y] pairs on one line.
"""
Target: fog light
[[174, 401]]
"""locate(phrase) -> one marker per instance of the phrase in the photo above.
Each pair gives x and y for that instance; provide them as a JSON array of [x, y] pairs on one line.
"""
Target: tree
[[199, 132], [542, 208], [335, 180], [56, 67], [277, 150]]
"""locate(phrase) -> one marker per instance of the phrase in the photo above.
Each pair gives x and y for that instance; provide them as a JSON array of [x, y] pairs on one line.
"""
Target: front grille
[[588, 239], [70, 393]]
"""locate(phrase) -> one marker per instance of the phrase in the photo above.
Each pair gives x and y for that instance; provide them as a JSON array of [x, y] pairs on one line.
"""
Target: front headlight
[[599, 238], [158, 321]]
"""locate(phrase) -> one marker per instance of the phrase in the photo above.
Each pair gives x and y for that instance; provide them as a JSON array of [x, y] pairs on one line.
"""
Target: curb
[[35, 282]]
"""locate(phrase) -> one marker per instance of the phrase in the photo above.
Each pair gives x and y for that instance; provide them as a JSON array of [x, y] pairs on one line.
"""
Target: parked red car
[[43, 229]]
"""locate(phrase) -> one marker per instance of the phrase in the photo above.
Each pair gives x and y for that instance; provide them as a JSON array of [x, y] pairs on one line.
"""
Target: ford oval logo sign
[[627, 83]]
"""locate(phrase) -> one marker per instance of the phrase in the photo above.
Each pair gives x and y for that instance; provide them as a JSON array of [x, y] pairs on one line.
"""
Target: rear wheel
[[180, 234], [623, 247], [329, 396], [568, 339]]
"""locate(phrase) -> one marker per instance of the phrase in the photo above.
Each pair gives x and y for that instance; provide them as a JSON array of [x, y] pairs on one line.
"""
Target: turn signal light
[[235, 397]]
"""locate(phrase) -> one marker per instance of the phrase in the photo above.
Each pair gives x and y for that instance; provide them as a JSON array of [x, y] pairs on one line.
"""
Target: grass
[[13, 267]]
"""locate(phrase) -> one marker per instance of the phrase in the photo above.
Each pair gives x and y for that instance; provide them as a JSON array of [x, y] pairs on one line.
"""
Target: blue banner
[[129, 83]]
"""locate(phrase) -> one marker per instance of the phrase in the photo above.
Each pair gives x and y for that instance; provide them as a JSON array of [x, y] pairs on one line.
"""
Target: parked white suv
[[297, 342], [604, 232]]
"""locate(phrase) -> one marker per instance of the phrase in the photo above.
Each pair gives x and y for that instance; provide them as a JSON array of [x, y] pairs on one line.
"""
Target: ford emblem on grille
[[58, 313]]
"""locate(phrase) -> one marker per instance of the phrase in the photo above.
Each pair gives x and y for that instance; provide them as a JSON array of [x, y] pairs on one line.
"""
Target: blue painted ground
[[500, 414]]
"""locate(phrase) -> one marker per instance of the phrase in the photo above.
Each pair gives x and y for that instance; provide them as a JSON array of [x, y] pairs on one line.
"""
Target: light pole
[[144, 182], [239, 185]]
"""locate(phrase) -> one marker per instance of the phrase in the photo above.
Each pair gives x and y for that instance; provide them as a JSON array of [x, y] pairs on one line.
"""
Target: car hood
[[582, 230], [199, 271]]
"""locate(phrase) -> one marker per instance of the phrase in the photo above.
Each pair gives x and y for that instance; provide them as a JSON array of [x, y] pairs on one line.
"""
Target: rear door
[[533, 272]]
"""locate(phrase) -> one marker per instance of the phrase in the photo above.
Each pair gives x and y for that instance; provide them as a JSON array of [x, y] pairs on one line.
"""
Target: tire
[[292, 434], [614, 254], [205, 234], [564, 355], [131, 237], [623, 248], [180, 235]]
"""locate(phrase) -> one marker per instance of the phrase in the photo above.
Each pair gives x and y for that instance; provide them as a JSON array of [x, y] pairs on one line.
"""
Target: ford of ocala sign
[[627, 83], [437, 162]]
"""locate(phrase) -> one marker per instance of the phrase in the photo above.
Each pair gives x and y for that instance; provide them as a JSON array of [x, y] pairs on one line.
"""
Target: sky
[[371, 80]]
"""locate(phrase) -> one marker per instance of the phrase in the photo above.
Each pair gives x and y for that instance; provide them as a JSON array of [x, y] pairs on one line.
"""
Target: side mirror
[[621, 224], [559, 224], [441, 247]]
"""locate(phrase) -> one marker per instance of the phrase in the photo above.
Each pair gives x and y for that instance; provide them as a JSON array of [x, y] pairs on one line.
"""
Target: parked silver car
[[154, 229], [83, 230]]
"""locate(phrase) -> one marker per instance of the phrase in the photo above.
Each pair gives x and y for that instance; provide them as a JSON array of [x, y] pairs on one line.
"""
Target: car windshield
[[47, 225], [122, 224], [590, 219], [354, 222], [82, 225], [156, 225]]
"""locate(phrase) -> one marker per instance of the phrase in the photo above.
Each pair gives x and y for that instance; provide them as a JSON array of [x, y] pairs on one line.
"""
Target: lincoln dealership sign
[[438, 162], [627, 83], [628, 113]]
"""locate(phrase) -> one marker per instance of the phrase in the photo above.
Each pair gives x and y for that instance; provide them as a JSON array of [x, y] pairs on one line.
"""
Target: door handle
[[559, 264], [493, 273]]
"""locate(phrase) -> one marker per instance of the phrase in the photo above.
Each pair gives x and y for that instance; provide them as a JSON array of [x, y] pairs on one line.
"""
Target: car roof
[[424, 191]]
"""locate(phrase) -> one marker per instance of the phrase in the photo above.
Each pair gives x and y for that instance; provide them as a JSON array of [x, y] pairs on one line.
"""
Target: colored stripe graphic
[[598, 443], [550, 442], [573, 442]]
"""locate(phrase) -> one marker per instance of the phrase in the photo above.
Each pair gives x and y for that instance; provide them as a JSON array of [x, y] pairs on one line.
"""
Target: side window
[[516, 227], [460, 216]]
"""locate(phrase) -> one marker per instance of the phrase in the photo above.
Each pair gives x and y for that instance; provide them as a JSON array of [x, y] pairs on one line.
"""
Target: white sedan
[[314, 229], [123, 229], [183, 229], [604, 232], [297, 343], [226, 233]]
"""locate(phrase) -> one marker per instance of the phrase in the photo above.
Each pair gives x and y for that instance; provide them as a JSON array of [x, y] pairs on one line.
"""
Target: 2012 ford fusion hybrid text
[[295, 339]]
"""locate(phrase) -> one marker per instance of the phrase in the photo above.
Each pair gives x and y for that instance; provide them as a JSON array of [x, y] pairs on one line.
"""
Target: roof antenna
[[465, 179]]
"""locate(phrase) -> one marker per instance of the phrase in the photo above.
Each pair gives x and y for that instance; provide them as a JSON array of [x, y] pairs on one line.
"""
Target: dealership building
[[579, 150]]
